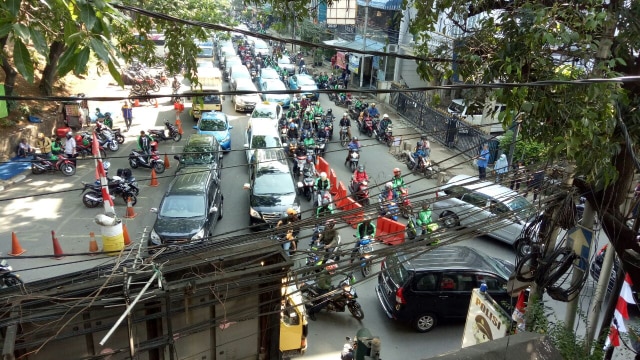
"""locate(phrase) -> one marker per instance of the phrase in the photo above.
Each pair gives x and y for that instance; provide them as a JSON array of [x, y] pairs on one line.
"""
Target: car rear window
[[396, 270]]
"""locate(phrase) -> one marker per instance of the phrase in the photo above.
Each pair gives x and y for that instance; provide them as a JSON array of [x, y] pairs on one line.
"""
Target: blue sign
[[580, 241], [322, 12]]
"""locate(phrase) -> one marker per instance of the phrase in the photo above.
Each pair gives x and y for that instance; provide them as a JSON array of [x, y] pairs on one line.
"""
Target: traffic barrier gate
[[353, 212], [333, 180], [341, 196], [323, 165], [389, 231]]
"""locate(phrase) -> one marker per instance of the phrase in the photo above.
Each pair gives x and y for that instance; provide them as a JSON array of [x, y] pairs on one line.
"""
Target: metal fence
[[438, 125]]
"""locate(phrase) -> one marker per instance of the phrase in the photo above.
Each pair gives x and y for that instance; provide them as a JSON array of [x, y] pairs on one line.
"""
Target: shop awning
[[357, 44], [382, 4]]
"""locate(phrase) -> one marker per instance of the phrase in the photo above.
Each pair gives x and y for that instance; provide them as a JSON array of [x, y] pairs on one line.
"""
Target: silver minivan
[[493, 209]]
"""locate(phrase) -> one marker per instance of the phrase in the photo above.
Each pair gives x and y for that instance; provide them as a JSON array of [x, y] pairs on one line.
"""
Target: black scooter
[[7, 277], [160, 135]]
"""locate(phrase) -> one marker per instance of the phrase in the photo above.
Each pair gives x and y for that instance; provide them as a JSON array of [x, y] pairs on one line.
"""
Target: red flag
[[614, 336], [106, 197]]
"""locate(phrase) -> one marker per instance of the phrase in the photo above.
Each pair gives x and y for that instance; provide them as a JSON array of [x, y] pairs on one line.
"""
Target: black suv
[[272, 189], [201, 149], [435, 285], [190, 208]]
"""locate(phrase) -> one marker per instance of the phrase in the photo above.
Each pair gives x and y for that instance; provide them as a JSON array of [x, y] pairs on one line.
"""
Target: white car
[[267, 113], [246, 102], [488, 207], [261, 136]]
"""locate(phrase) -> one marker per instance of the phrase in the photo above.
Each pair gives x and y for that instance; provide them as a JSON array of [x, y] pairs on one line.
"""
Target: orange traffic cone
[[16, 249], [125, 234], [93, 245], [155, 104], [179, 125], [167, 164], [57, 250], [136, 103], [130, 214], [154, 178]]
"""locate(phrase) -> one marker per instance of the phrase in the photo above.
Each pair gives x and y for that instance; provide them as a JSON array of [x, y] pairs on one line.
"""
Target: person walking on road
[[501, 167], [483, 160], [127, 114]]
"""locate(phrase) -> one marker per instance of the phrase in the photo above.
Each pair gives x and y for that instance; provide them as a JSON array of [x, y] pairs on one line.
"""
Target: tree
[[68, 32]]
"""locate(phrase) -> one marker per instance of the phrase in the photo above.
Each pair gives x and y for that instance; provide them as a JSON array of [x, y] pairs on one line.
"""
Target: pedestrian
[[127, 114], [301, 65], [483, 160], [24, 149], [535, 183], [501, 167], [346, 78], [519, 174], [44, 144], [70, 147], [334, 60]]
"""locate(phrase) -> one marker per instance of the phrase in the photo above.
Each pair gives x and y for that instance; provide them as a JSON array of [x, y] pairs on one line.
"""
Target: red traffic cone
[[167, 164], [93, 245], [57, 250], [154, 178], [130, 214], [179, 126], [136, 103], [155, 104], [16, 249], [125, 235]]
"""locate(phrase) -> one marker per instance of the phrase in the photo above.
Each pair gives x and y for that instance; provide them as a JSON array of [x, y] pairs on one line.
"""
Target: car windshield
[[396, 270], [213, 125], [274, 85], [263, 113], [245, 87], [182, 206], [284, 61], [305, 81], [211, 99], [273, 182], [522, 206], [194, 157], [264, 142], [205, 52], [455, 107]]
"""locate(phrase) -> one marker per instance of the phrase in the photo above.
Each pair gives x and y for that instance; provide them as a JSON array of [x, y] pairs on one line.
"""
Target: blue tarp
[[382, 4]]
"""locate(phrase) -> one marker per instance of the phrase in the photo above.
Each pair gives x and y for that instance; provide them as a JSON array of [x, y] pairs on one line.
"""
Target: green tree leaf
[[115, 73], [39, 42], [22, 31], [87, 15], [100, 49], [67, 60], [13, 6], [81, 61], [22, 60]]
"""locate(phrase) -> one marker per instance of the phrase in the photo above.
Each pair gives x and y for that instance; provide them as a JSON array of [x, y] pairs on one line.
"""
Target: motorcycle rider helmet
[[166, 123], [292, 125], [396, 171], [388, 185], [40, 135], [385, 116], [106, 165], [331, 266], [355, 138], [425, 206], [330, 223], [373, 104], [69, 134], [107, 114], [292, 212], [323, 175], [345, 115], [309, 159], [360, 168]]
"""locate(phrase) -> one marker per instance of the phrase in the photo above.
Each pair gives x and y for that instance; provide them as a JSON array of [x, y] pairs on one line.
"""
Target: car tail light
[[382, 264], [400, 297]]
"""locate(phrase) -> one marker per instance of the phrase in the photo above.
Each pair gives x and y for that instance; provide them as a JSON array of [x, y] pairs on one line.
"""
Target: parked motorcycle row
[[143, 81]]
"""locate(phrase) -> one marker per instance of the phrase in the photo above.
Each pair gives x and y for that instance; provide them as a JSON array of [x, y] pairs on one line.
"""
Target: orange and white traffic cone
[[179, 126], [16, 249], [167, 164], [125, 235], [57, 249], [93, 245], [130, 214], [154, 178]]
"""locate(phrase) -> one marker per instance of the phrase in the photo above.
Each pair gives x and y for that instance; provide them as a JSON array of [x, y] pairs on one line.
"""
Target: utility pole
[[512, 147], [598, 296], [572, 306], [364, 42]]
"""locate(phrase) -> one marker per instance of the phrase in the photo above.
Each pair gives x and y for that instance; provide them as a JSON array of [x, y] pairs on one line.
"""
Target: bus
[[210, 79]]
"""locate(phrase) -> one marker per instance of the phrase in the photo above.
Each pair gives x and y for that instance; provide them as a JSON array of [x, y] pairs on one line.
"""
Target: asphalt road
[[58, 207]]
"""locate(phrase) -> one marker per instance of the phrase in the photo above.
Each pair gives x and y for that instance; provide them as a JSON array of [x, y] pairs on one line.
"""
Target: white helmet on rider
[[323, 175], [385, 116], [345, 115], [388, 185]]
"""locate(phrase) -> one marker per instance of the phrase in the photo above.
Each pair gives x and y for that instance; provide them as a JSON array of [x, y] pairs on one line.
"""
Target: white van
[[485, 116]]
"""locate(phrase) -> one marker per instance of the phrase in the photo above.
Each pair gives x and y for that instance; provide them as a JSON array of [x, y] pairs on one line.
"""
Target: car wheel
[[425, 322], [522, 247], [449, 219], [220, 214]]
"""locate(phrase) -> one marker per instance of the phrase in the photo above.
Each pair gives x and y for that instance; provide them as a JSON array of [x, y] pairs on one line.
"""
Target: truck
[[210, 79], [485, 116]]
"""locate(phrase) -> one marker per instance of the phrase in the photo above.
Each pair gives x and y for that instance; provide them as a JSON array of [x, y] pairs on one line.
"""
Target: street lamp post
[[364, 41]]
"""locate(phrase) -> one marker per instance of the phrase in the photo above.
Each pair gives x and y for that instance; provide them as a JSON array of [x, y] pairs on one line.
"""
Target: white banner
[[354, 63], [486, 320]]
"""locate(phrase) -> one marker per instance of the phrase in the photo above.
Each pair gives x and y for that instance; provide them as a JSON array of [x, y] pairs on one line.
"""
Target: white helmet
[[323, 175], [385, 116], [345, 114]]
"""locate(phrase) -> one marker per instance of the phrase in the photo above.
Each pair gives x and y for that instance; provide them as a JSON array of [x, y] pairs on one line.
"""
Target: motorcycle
[[367, 127], [354, 158], [338, 300], [412, 231], [307, 183], [321, 146], [92, 193], [84, 148], [404, 203], [113, 132], [360, 192], [286, 240], [106, 139], [365, 252], [146, 83], [8, 278], [40, 165], [356, 109], [421, 164], [386, 136], [325, 206], [161, 78], [293, 145], [298, 166], [138, 158], [344, 138], [390, 210], [160, 134]]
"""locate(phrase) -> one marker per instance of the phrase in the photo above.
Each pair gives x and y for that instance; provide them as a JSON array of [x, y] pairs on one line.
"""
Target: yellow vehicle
[[293, 321], [210, 79]]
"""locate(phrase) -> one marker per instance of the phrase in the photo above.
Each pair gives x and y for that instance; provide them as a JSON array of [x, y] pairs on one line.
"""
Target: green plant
[[6, 122], [24, 109], [526, 150]]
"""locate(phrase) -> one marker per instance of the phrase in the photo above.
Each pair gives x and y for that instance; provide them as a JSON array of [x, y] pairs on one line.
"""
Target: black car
[[190, 208], [436, 285], [271, 188], [201, 150]]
